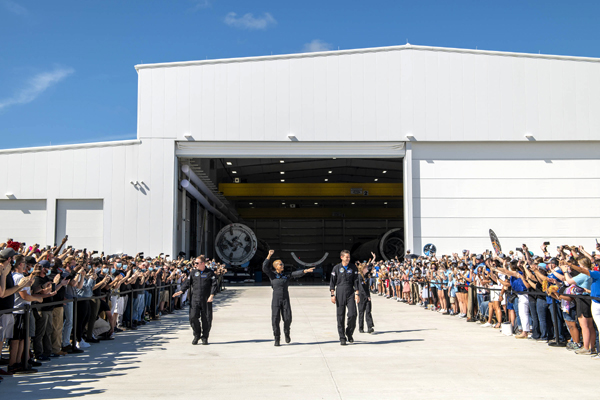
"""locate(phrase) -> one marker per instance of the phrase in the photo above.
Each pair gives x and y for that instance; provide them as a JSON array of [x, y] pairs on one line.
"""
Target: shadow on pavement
[[408, 330], [69, 376]]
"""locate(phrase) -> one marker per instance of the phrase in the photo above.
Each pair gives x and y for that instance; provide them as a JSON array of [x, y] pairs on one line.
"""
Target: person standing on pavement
[[280, 303], [344, 294], [364, 305], [203, 286]]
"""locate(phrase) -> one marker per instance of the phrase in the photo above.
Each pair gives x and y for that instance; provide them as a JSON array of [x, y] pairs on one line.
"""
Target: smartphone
[[546, 243]]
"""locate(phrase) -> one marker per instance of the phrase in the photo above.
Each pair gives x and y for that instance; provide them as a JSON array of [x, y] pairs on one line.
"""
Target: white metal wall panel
[[83, 221], [23, 221], [547, 191], [133, 220], [379, 94]]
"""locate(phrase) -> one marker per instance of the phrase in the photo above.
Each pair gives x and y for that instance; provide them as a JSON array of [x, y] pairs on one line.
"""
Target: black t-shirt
[[60, 295], [8, 302], [98, 292], [136, 285], [37, 287]]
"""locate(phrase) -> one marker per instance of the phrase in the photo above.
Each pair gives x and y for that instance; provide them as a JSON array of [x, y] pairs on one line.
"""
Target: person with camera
[[343, 286], [203, 285], [280, 302]]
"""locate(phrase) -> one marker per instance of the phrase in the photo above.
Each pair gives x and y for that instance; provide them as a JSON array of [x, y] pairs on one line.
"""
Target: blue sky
[[66, 67]]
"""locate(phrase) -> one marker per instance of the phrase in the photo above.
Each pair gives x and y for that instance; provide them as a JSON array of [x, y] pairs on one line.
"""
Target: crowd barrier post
[[27, 342], [74, 330]]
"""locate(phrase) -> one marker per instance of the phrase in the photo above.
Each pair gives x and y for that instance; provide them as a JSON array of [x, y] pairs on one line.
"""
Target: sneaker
[[486, 325], [582, 351], [573, 346]]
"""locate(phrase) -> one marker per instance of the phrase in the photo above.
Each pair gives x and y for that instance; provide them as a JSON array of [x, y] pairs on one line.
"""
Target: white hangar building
[[323, 151]]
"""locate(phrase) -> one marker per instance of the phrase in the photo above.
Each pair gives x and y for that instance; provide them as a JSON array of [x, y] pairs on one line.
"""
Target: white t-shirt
[[19, 301]]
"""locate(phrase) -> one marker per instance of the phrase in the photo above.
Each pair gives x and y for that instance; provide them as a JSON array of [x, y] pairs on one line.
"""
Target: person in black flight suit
[[364, 305], [203, 287], [280, 304], [344, 294]]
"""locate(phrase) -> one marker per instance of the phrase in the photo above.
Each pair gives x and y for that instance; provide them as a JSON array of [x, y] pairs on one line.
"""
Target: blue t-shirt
[[595, 275], [452, 287], [517, 284], [583, 281]]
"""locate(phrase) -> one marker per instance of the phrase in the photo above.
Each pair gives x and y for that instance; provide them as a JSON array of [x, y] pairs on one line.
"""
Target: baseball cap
[[45, 264], [7, 253], [30, 260]]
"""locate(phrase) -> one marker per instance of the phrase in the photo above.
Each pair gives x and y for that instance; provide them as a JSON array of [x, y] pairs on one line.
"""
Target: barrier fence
[[28, 308]]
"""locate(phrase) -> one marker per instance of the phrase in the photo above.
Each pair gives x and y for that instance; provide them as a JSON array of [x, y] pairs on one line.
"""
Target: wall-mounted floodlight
[[292, 137], [10, 195], [410, 137], [134, 183], [188, 136], [530, 138]]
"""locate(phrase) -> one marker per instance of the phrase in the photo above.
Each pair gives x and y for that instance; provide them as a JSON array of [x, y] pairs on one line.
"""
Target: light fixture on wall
[[292, 137], [10, 195], [410, 137], [188, 136], [134, 183], [229, 163], [530, 137]]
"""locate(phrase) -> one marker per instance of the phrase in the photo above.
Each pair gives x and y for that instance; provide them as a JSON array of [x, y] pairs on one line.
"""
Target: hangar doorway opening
[[307, 209]]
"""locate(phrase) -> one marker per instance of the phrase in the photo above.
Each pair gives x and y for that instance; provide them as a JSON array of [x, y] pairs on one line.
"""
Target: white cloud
[[316, 45], [248, 21], [14, 8], [36, 86], [200, 5]]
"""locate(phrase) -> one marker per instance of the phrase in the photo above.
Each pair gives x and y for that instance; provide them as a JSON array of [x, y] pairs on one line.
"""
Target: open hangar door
[[306, 208]]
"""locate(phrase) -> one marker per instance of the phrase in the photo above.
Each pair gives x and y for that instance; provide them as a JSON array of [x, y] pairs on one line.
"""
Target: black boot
[[361, 330], [343, 342], [204, 341], [277, 341], [288, 338], [371, 330], [195, 341]]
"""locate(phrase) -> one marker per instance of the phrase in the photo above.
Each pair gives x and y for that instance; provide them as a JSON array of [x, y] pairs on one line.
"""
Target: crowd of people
[[59, 300], [551, 298]]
